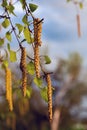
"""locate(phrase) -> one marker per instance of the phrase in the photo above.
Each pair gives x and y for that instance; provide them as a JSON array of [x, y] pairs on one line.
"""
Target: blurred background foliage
[[69, 97]]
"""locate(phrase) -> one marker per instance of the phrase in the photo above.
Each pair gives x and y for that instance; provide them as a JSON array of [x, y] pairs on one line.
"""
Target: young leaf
[[33, 7], [8, 36], [68, 0], [23, 3], [31, 68], [4, 3], [44, 94], [12, 56], [38, 81], [8, 46], [81, 5], [47, 59], [5, 23], [24, 20], [11, 8], [5, 64], [29, 92], [1, 41], [20, 27], [27, 35]]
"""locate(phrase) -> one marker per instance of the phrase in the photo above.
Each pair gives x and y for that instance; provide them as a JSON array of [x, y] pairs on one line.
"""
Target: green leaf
[[12, 56], [23, 3], [31, 68], [24, 20], [33, 7], [47, 59], [20, 28], [5, 64], [8, 46], [4, 3], [1, 41], [29, 92], [27, 35], [5, 23], [44, 94], [11, 8], [38, 82], [68, 0], [81, 5], [8, 36]]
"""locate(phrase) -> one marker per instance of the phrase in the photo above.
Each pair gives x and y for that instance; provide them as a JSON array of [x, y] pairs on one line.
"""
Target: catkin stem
[[78, 25], [48, 79]]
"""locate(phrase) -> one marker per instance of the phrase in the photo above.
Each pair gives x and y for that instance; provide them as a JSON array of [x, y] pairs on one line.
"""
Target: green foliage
[[31, 68], [27, 35], [20, 27], [68, 0], [1, 41], [10, 8], [13, 57], [8, 36], [5, 23], [44, 94], [24, 19], [81, 5], [33, 7], [47, 59], [38, 82], [12, 53], [5, 64], [29, 92]]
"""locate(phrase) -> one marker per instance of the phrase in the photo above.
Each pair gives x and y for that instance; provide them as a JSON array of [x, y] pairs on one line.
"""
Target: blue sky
[[60, 27]]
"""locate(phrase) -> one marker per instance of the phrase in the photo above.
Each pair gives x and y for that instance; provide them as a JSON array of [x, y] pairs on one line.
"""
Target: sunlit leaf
[[27, 35], [5, 64], [31, 68], [47, 59], [11, 8], [20, 27], [1, 41], [44, 94], [12, 56], [68, 0], [8, 36], [4, 3], [38, 81], [5, 23], [23, 3], [8, 46], [24, 20], [29, 92], [33, 7], [81, 5]]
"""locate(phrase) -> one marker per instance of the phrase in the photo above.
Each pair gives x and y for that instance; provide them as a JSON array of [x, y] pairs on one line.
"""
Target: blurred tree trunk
[[56, 119]]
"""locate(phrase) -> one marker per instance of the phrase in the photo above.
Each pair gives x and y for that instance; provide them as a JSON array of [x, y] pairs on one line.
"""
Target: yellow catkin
[[78, 25], [37, 31], [9, 88], [23, 69], [49, 92], [37, 60]]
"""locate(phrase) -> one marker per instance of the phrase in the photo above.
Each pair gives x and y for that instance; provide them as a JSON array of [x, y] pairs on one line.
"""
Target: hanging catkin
[[49, 92], [23, 69], [78, 25], [37, 31], [37, 60], [9, 88]]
